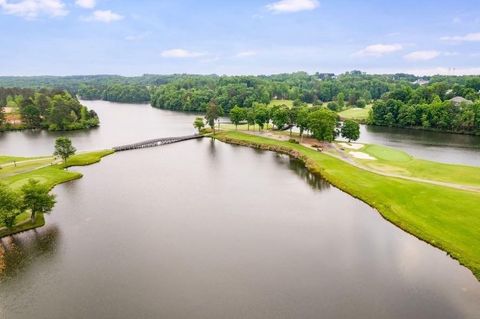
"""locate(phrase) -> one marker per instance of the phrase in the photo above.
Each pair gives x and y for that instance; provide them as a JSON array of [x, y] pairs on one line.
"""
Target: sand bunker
[[362, 155], [353, 146]]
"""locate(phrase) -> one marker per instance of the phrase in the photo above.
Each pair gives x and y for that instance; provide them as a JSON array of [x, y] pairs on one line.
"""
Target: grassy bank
[[23, 224], [53, 174], [46, 171], [9, 159], [444, 217]]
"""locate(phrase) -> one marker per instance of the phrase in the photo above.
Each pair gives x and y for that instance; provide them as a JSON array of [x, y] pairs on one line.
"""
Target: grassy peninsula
[[445, 217], [16, 172]]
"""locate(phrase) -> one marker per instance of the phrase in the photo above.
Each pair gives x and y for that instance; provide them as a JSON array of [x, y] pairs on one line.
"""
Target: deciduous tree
[[199, 124], [64, 148], [237, 114], [36, 198], [9, 206], [350, 130], [323, 123], [214, 111]]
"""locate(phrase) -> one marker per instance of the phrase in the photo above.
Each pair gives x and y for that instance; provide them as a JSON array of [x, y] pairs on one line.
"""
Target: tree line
[[123, 93], [54, 110], [430, 107], [184, 92], [320, 122]]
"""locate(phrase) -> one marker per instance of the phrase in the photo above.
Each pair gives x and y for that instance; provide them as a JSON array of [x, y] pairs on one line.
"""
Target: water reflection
[[211, 148], [424, 137], [316, 182], [434, 146], [19, 252]]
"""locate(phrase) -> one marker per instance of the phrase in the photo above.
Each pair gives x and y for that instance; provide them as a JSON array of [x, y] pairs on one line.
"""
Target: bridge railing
[[156, 142]]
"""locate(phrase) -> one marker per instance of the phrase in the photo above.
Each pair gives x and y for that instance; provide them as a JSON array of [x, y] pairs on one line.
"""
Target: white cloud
[[87, 4], [378, 50], [33, 8], [292, 6], [106, 16], [422, 55], [471, 37], [245, 54], [180, 53]]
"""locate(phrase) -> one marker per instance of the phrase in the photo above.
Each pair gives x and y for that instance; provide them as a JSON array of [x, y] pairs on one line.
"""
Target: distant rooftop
[[459, 100], [421, 82]]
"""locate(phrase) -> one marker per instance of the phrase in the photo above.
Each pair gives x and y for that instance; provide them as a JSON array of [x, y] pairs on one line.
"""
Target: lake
[[129, 123], [203, 229], [434, 146]]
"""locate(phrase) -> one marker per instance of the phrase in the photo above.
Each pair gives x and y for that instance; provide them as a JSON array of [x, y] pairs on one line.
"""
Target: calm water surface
[[129, 123], [435, 146], [203, 229]]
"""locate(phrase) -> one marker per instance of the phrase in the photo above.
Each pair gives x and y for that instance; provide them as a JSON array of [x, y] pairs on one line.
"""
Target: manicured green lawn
[[288, 103], [10, 159], [355, 113], [89, 158], [445, 217], [242, 127], [55, 174], [50, 175], [387, 153], [24, 165], [391, 160]]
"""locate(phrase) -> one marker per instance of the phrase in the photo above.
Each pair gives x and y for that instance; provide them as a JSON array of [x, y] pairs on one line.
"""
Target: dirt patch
[[352, 146]]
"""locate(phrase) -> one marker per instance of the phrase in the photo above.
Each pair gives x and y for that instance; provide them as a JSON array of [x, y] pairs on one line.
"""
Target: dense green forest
[[124, 93], [401, 100], [193, 94], [55, 110], [430, 107]]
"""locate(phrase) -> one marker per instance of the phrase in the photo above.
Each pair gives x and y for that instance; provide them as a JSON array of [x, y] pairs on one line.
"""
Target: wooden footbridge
[[156, 142]]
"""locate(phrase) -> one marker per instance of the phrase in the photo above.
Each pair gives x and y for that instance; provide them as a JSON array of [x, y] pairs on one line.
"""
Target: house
[[458, 100], [421, 82]]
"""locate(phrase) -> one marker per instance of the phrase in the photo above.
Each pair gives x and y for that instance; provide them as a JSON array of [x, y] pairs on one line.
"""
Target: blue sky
[[66, 37]]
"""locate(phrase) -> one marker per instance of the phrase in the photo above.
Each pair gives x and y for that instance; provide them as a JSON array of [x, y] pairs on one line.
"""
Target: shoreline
[[52, 180], [386, 210]]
